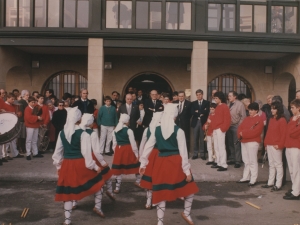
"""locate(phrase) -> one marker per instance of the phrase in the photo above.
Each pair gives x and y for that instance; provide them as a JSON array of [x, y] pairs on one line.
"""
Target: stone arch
[[282, 84], [18, 77]]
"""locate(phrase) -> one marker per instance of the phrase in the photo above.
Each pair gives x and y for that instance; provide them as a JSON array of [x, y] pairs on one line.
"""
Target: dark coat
[[148, 105], [134, 115], [196, 112], [79, 103], [183, 119]]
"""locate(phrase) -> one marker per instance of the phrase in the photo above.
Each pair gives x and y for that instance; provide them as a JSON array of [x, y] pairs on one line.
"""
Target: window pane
[[69, 13], [53, 13], [112, 12], [277, 19], [185, 16], [260, 18], [40, 13], [24, 13], [228, 17], [291, 20], [142, 15], [172, 15], [246, 18], [83, 13], [125, 14], [214, 17], [11, 13], [155, 15]]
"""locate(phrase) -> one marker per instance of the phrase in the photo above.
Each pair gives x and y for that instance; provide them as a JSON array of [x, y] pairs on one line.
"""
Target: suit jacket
[[183, 118], [113, 103], [196, 111], [148, 105], [79, 103], [134, 115]]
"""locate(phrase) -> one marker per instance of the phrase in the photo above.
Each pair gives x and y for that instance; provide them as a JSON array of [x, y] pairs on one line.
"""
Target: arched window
[[66, 81], [229, 82]]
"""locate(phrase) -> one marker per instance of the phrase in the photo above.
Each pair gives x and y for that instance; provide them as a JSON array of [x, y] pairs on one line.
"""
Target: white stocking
[[109, 186], [68, 211], [138, 178], [188, 201], [98, 199], [118, 182], [74, 203], [161, 207], [149, 198]]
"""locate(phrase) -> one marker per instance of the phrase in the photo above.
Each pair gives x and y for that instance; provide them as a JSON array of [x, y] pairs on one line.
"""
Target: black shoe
[[9, 158], [275, 188], [28, 157], [1, 163], [215, 166], [291, 197], [289, 192], [237, 165], [251, 185], [38, 156], [19, 156], [195, 157], [210, 163], [108, 153], [4, 160], [230, 163], [267, 186], [243, 181], [203, 157], [41, 153], [221, 169]]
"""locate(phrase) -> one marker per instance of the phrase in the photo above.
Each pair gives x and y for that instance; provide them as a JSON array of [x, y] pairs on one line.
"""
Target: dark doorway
[[292, 90], [148, 82]]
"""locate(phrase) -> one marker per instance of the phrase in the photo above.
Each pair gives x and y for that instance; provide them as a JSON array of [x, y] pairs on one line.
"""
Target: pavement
[[42, 169]]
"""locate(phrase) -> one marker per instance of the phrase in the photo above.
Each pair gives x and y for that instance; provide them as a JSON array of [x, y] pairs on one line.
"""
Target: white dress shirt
[[96, 148]]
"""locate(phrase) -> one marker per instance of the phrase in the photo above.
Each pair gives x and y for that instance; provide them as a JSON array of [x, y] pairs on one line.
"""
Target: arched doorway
[[292, 90], [148, 81]]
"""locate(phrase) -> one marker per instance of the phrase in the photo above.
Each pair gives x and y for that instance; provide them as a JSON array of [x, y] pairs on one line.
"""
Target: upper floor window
[[18, 13], [119, 14], [76, 13], [221, 17], [148, 15], [284, 19], [46, 13], [253, 18], [178, 15]]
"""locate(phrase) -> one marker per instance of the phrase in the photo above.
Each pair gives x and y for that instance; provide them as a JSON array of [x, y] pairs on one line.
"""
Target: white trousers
[[209, 143], [13, 148], [31, 141], [293, 159], [275, 166], [219, 145], [105, 136], [249, 156], [97, 131]]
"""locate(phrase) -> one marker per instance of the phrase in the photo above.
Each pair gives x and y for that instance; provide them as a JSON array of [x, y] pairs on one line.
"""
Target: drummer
[[10, 107]]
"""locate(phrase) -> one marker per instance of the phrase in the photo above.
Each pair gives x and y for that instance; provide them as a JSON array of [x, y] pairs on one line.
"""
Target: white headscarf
[[73, 116], [124, 118], [86, 120], [155, 120], [167, 121]]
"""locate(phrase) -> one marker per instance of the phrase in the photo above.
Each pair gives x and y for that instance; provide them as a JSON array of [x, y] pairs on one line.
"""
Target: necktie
[[154, 102], [180, 107], [199, 102], [129, 110]]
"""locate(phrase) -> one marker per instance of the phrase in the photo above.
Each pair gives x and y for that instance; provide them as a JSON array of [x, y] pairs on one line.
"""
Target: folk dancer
[[171, 175], [78, 174]]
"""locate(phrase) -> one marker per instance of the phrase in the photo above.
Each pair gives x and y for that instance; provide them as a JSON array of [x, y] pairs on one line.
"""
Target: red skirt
[[146, 181], [125, 161], [169, 181], [105, 171], [75, 181]]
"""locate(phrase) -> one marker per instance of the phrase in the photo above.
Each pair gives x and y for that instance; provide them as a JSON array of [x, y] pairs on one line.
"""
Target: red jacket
[[251, 134], [210, 128], [292, 138], [45, 115], [276, 132], [1, 103], [9, 108], [31, 120], [222, 118]]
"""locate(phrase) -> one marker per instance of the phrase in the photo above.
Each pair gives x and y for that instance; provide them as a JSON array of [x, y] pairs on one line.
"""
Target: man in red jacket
[[32, 123]]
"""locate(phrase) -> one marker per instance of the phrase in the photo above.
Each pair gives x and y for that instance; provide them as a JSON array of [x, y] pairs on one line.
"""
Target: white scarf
[[167, 121], [73, 117], [86, 120], [155, 120], [124, 118]]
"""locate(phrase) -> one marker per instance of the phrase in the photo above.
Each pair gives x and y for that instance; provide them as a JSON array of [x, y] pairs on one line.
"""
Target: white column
[[199, 68], [95, 69]]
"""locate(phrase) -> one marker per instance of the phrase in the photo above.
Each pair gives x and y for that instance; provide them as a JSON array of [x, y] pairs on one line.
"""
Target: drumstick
[[23, 212], [255, 206], [26, 213]]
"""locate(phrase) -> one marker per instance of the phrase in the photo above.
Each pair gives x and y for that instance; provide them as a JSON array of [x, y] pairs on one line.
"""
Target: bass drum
[[10, 127]]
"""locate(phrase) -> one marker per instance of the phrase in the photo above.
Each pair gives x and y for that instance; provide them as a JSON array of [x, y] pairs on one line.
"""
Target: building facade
[[251, 46]]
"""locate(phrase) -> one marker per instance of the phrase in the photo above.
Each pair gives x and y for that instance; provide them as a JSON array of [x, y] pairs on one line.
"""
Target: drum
[[10, 127]]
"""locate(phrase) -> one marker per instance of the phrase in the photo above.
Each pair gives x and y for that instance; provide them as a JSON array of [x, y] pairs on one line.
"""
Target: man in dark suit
[[131, 110], [151, 105], [114, 98], [140, 96], [200, 110], [184, 116], [83, 103]]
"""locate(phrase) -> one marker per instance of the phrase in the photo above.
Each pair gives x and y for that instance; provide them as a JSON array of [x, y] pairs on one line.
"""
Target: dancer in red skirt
[[171, 176], [78, 174], [126, 153], [146, 181]]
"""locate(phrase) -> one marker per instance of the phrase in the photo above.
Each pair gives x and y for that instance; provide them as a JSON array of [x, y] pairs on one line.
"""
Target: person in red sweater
[[274, 142], [292, 144], [208, 127], [221, 124], [32, 124], [249, 133], [45, 111], [9, 107]]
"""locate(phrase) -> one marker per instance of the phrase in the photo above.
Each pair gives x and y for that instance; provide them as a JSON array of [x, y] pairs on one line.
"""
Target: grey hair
[[259, 102], [24, 92], [49, 101]]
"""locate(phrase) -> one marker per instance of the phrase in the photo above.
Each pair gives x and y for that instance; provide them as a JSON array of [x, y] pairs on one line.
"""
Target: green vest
[[167, 147], [73, 150], [89, 131], [122, 137]]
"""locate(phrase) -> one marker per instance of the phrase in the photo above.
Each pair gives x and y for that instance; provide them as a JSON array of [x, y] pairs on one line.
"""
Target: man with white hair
[[83, 103], [171, 175]]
